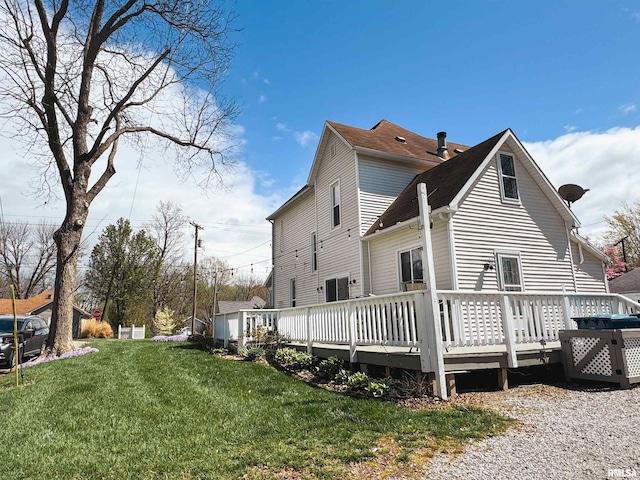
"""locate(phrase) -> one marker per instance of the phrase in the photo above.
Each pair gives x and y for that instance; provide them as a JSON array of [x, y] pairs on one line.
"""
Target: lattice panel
[[632, 352], [600, 364], [580, 346]]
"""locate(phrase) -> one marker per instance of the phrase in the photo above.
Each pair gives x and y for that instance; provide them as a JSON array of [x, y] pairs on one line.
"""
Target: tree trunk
[[67, 239]]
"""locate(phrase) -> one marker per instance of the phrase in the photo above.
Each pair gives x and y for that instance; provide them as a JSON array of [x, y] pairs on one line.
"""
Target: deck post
[[225, 338], [353, 333], [566, 311], [509, 332], [503, 379], [307, 315], [241, 322], [433, 340]]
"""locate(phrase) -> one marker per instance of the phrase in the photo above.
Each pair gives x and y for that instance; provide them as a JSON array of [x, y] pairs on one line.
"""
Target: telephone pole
[[195, 277]]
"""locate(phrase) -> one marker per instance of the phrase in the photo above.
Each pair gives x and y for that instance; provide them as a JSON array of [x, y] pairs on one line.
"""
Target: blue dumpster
[[608, 322]]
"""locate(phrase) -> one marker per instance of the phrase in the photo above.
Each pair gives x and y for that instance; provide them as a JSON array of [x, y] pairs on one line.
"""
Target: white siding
[[534, 228], [381, 182], [295, 234], [385, 261], [589, 274], [339, 252]]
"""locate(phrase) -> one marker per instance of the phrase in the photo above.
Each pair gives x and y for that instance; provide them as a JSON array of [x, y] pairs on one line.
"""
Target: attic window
[[508, 180], [401, 139]]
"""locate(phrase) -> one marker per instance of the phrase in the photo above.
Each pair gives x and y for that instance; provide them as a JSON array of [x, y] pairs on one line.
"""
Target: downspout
[[273, 264], [573, 269], [452, 252], [318, 263], [370, 274]]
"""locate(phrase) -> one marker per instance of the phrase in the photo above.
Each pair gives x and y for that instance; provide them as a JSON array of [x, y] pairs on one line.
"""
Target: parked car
[[33, 333]]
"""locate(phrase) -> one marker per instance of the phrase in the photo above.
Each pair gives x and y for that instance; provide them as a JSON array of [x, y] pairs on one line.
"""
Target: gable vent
[[401, 139]]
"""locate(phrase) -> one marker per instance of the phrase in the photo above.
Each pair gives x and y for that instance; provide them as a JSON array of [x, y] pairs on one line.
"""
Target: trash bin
[[607, 322]]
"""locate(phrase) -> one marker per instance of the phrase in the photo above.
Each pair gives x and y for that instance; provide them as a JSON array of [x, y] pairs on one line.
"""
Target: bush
[[358, 380], [93, 328], [291, 359], [255, 353], [164, 323], [330, 367], [342, 377], [201, 342], [379, 388]]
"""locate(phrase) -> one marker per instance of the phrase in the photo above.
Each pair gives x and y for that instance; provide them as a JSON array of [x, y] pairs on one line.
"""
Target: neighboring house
[[201, 326], [627, 284], [225, 306], [42, 305], [497, 222]]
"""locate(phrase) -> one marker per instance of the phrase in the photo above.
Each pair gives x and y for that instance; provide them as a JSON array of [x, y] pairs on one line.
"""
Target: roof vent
[[458, 151], [443, 153], [401, 139]]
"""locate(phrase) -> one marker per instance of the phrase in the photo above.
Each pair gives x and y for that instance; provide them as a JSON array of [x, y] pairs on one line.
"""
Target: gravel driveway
[[565, 434]]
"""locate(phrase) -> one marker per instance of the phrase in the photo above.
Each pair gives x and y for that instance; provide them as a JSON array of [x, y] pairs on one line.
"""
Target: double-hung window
[[411, 266], [335, 205], [292, 292], [314, 252], [510, 273], [508, 181]]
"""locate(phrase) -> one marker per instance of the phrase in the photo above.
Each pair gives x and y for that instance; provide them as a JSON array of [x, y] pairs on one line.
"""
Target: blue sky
[[564, 76]]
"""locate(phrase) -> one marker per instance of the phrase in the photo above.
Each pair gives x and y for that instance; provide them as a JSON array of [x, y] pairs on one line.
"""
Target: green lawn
[[140, 409]]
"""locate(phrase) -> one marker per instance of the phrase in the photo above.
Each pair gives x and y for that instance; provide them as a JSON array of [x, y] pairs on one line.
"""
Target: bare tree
[[167, 230], [28, 256], [79, 76]]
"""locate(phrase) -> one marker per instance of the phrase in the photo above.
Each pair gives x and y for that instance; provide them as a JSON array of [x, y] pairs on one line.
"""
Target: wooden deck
[[455, 359]]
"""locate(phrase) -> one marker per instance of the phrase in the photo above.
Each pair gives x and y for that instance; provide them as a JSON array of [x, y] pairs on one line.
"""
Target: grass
[[146, 410]]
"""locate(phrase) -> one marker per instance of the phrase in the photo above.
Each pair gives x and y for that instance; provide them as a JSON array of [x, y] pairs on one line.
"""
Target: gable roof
[[27, 305], [382, 138], [626, 283], [444, 182], [33, 305], [227, 306]]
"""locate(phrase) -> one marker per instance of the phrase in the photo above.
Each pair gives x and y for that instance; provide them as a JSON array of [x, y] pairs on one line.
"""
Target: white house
[[497, 223]]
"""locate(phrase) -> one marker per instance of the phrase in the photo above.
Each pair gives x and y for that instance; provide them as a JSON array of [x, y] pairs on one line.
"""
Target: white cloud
[[266, 81], [627, 108], [306, 138], [603, 162], [570, 128], [636, 16], [262, 98]]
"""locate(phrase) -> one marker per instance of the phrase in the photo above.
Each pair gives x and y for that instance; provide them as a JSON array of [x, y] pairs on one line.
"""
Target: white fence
[[131, 333], [240, 326]]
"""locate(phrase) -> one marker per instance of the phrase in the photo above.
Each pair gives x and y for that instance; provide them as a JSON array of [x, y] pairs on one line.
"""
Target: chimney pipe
[[443, 153]]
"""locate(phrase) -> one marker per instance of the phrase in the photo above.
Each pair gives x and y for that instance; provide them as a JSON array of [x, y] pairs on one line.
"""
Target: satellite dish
[[571, 193]]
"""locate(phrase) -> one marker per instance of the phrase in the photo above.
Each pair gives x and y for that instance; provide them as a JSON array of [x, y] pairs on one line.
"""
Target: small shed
[[627, 284]]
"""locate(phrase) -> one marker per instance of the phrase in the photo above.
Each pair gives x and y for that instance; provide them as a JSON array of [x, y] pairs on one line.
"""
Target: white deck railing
[[466, 319]]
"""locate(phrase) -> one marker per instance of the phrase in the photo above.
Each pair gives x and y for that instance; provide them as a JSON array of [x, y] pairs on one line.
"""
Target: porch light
[[489, 266]]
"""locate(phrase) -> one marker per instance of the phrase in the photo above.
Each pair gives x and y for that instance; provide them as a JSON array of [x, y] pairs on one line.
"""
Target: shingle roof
[[382, 138], [26, 305], [444, 182], [227, 306], [627, 283]]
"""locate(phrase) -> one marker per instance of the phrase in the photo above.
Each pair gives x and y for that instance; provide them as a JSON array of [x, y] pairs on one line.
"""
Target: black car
[[33, 333]]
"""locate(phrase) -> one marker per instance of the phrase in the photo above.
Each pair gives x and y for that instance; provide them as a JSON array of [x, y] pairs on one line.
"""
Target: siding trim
[[452, 252], [357, 169], [391, 229]]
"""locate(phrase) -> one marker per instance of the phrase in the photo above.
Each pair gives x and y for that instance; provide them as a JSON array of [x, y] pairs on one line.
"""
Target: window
[[293, 292], [314, 252], [335, 205], [508, 182], [336, 289], [411, 266], [511, 279]]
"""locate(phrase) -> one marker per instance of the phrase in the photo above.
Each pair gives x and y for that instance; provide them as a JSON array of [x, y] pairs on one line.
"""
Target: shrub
[[358, 380], [201, 342], [330, 367], [342, 377], [93, 328], [255, 353], [379, 388], [291, 359]]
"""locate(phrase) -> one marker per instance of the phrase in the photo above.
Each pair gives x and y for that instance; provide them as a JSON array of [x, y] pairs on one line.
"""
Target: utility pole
[[195, 278]]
